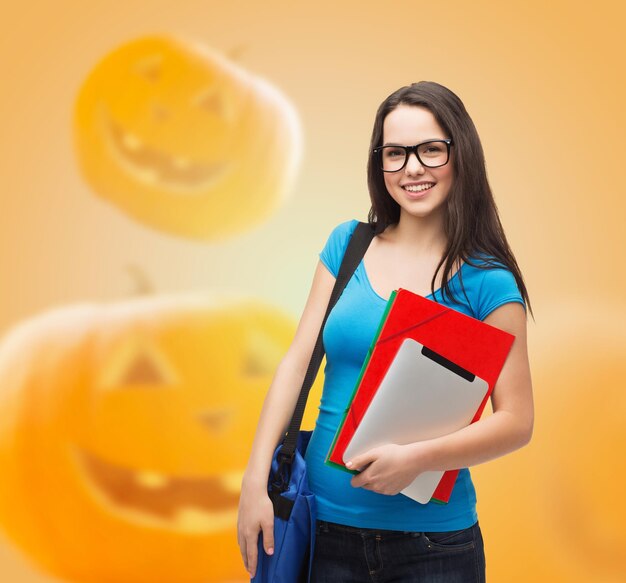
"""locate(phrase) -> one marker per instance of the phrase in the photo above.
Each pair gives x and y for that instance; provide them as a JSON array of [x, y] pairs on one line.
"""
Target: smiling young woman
[[438, 234]]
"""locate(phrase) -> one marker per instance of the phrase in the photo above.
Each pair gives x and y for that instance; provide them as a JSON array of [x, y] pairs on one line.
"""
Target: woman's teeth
[[418, 187]]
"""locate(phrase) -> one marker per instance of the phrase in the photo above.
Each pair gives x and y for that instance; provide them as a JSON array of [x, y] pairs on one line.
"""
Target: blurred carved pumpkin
[[184, 140], [124, 432], [556, 506]]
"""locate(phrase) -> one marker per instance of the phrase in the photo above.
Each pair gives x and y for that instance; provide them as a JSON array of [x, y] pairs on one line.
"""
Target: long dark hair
[[472, 225]]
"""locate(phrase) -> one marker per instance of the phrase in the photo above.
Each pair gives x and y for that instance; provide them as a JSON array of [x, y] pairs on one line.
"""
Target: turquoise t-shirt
[[348, 333]]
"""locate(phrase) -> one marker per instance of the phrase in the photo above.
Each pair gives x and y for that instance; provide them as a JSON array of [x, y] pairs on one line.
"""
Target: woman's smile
[[417, 190]]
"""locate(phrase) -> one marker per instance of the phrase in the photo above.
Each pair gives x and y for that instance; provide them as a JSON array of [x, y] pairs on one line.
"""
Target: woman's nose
[[413, 165]]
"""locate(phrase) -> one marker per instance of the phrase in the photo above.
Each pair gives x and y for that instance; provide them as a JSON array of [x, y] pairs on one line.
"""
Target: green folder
[[383, 319]]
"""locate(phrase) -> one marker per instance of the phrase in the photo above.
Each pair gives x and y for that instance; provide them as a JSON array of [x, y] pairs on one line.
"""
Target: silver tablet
[[422, 396]]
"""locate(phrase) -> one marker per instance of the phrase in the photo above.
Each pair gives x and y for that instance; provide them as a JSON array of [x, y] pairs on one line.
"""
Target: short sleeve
[[333, 252], [498, 287]]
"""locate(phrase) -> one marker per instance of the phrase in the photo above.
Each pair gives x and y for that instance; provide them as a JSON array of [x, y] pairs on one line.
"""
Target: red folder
[[476, 346]]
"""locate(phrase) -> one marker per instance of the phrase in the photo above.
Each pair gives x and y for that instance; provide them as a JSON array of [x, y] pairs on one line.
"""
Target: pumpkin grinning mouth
[[193, 503], [156, 167]]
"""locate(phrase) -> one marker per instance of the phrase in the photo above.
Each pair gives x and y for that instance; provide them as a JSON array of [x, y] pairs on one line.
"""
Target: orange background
[[544, 85]]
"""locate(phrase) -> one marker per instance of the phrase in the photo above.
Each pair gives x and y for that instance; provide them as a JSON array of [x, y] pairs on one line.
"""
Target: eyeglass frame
[[407, 152]]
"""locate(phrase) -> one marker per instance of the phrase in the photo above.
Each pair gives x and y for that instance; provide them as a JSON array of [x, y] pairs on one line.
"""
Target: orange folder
[[472, 344]]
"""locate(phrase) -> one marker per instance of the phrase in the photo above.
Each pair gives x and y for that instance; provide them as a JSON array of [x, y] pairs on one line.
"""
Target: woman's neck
[[419, 237]]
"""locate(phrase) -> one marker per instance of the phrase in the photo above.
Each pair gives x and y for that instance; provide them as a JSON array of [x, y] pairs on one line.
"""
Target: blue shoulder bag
[[288, 487]]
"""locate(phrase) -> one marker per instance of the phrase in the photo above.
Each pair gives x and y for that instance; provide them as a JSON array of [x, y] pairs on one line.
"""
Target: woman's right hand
[[256, 513]]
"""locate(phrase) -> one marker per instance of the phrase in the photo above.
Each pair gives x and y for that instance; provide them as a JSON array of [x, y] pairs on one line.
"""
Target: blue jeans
[[344, 554]]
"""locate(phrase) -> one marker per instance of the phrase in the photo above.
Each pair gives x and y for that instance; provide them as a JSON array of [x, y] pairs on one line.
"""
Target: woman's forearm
[[479, 442], [275, 416]]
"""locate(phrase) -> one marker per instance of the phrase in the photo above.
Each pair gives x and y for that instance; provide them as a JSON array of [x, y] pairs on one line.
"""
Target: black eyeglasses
[[431, 154]]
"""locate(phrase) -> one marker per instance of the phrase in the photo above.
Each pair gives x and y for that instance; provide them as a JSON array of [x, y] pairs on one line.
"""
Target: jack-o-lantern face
[[125, 432], [184, 140]]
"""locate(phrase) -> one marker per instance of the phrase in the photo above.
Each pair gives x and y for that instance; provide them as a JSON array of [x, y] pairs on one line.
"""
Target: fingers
[[360, 462], [359, 481], [249, 546], [362, 477], [255, 519], [251, 554], [351, 464], [242, 550], [268, 536], [248, 549]]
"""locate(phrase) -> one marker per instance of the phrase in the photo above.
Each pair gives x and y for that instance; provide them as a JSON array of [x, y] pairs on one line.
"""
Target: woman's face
[[407, 125]]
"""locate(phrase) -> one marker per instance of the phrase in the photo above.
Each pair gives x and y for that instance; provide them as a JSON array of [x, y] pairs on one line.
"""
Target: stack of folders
[[429, 372]]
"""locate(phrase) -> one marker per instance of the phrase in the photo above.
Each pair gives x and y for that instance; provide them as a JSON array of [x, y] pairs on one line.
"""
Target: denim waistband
[[327, 526]]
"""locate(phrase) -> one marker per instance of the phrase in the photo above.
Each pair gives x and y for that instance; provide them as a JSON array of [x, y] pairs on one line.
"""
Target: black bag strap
[[358, 244]]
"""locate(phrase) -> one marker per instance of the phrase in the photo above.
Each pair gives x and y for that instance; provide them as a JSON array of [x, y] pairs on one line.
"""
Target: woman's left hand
[[388, 469]]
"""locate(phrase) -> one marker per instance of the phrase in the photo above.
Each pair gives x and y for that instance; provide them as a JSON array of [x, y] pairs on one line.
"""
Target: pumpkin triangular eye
[[212, 101], [150, 67], [143, 371], [262, 354], [137, 364]]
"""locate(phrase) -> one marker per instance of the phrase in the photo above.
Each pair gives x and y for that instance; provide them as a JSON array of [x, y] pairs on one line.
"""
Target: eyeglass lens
[[431, 154]]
